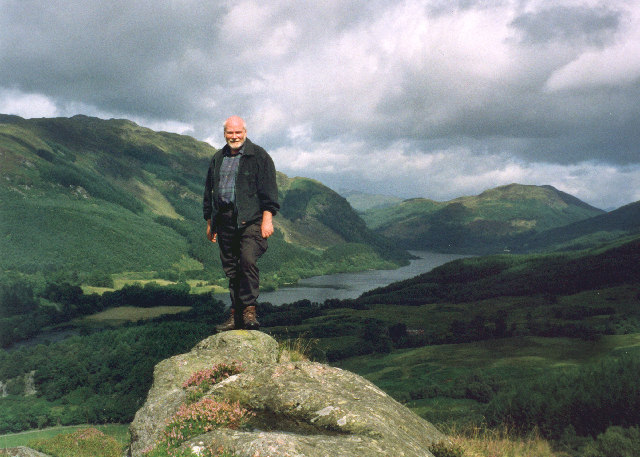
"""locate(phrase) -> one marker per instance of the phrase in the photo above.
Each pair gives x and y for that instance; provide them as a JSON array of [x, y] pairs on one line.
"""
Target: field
[[143, 278], [512, 357], [121, 314], [119, 431], [405, 372]]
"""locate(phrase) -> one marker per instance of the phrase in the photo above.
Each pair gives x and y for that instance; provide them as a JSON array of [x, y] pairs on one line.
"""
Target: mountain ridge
[[603, 228], [84, 194], [95, 182], [484, 223]]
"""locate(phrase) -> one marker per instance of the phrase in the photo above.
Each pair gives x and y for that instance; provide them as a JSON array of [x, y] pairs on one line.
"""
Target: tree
[[376, 336], [16, 297]]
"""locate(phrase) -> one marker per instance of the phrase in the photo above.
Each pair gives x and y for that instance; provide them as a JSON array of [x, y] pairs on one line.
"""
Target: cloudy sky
[[414, 98]]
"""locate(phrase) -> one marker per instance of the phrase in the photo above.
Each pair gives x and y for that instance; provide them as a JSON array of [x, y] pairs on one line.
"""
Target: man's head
[[235, 132]]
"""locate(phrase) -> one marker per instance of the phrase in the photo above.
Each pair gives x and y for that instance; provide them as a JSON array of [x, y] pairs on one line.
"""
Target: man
[[240, 200]]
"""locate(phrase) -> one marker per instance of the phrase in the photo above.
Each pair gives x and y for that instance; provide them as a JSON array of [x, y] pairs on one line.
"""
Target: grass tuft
[[445, 449], [485, 442], [298, 349]]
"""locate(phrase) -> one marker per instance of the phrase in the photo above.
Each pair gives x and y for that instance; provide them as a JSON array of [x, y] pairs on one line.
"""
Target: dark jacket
[[256, 189]]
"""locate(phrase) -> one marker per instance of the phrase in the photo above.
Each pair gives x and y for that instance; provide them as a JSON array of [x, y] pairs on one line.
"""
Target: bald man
[[240, 200]]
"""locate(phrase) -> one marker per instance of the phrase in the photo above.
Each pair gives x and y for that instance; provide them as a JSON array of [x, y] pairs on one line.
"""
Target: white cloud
[[257, 30], [27, 105], [401, 61], [181, 128], [449, 173], [617, 64], [327, 157]]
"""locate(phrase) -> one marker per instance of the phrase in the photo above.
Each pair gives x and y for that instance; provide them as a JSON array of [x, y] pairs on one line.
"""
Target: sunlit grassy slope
[[498, 218], [84, 194]]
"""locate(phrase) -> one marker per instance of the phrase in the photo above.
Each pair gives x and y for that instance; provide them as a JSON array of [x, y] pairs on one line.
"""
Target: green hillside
[[489, 222], [617, 224], [361, 201], [307, 202], [525, 342], [548, 275], [405, 211], [84, 196], [546, 342]]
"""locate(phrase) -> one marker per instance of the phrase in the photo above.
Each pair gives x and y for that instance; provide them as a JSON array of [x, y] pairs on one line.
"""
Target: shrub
[[589, 399], [615, 442], [446, 449], [201, 417]]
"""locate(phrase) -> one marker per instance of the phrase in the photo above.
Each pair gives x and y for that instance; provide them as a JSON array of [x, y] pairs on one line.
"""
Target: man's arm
[[267, 186]]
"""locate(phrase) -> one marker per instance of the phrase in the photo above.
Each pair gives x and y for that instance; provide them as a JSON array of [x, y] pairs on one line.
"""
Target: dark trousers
[[240, 250]]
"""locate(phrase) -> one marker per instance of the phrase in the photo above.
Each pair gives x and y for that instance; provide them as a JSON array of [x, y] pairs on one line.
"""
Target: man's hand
[[211, 235], [267, 224]]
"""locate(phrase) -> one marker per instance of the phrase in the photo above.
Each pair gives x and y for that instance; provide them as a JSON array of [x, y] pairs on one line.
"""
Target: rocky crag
[[20, 385], [301, 408]]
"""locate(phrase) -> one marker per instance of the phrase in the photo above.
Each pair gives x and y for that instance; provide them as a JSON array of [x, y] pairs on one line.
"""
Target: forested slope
[[95, 197]]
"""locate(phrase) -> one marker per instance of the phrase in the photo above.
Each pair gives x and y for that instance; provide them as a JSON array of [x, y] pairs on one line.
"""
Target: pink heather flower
[[201, 417], [214, 375]]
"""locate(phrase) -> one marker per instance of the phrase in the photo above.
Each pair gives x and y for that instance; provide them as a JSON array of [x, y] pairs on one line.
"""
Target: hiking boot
[[238, 319], [250, 318], [230, 323]]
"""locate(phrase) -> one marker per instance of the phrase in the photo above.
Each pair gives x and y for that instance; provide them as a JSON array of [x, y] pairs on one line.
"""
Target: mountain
[[485, 223], [361, 201], [617, 224], [94, 197]]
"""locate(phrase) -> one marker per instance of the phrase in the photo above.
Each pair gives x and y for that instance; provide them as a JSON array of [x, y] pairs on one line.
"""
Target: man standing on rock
[[240, 200]]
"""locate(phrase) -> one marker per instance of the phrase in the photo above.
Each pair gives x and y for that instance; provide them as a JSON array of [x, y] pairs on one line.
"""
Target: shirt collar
[[227, 151]]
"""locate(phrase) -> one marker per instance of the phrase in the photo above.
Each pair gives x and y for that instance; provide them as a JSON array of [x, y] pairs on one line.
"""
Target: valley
[[532, 309]]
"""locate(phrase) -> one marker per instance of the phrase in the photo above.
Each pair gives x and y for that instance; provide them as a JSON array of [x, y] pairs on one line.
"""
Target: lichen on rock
[[301, 408]]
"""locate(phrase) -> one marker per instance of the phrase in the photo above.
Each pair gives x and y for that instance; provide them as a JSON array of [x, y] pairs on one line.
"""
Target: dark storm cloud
[[119, 56], [514, 88]]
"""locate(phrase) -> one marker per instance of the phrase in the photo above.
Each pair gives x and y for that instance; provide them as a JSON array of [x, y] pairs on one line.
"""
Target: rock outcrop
[[20, 385], [301, 408], [22, 451]]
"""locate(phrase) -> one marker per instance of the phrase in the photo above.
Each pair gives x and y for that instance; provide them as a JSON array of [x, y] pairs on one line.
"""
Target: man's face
[[235, 134]]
